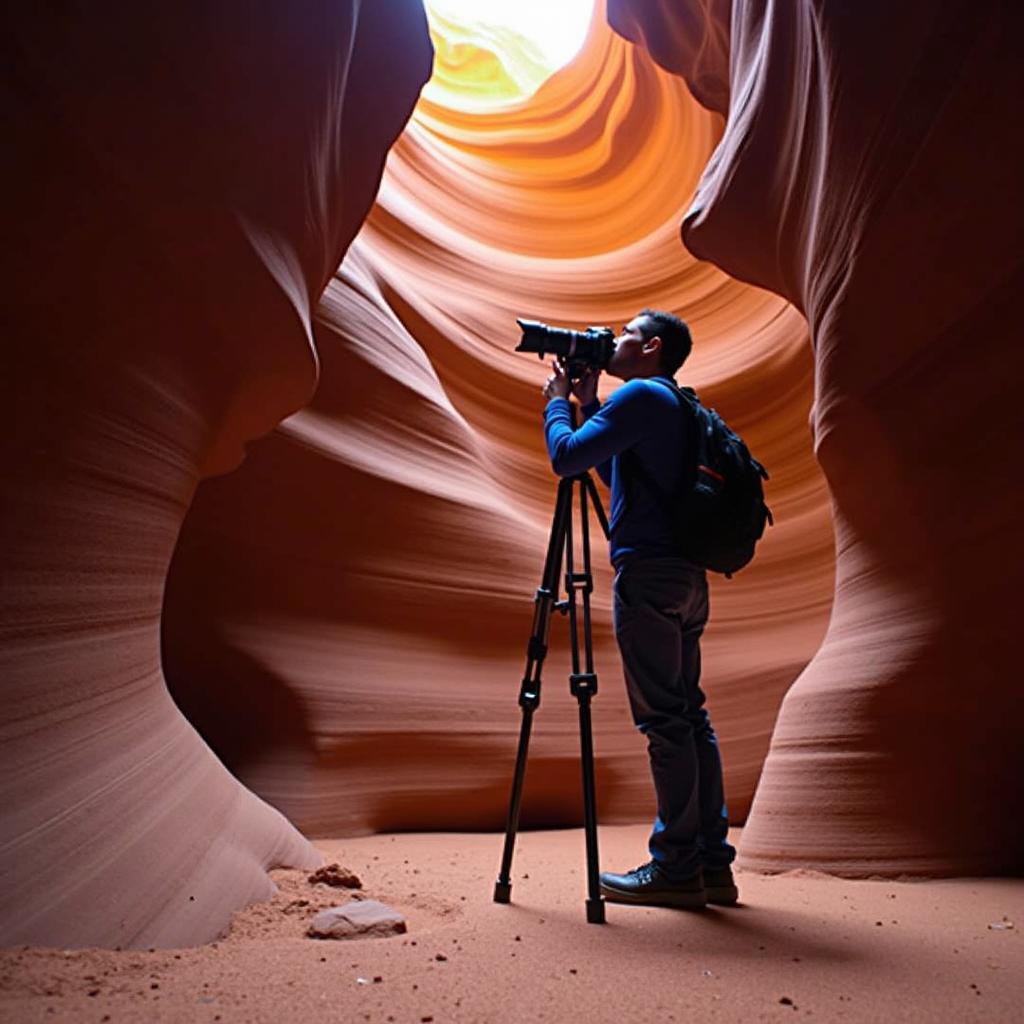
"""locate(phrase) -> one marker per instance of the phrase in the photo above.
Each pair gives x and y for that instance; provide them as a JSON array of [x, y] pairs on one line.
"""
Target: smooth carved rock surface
[[366, 577], [362, 919], [690, 39], [185, 185], [867, 173]]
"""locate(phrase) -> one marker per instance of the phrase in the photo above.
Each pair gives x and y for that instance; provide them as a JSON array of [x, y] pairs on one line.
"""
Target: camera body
[[578, 351]]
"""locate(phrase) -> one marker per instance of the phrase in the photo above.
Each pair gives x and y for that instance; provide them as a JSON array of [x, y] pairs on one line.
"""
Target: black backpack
[[720, 514]]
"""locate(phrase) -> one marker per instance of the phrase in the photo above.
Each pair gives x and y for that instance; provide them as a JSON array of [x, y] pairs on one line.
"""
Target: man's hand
[[558, 384], [585, 389]]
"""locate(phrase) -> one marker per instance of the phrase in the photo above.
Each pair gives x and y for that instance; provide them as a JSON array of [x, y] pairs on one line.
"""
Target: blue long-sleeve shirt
[[646, 419]]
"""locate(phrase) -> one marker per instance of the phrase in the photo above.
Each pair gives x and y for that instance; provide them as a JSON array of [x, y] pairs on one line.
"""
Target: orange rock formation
[[346, 614], [866, 173], [367, 575], [185, 186]]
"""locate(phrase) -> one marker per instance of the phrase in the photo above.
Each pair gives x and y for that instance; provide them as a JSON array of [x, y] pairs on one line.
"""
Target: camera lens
[[578, 350]]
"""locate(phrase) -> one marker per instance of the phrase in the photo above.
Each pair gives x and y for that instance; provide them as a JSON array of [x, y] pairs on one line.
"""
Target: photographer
[[637, 441]]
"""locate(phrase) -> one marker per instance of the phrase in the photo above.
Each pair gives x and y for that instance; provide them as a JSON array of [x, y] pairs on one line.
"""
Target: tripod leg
[[529, 691], [583, 686], [595, 903], [591, 489], [503, 886]]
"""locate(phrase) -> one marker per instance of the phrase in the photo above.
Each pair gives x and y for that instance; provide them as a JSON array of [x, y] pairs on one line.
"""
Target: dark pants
[[661, 608]]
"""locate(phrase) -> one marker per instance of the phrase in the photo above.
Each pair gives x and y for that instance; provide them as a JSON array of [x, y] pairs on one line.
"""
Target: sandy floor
[[801, 945]]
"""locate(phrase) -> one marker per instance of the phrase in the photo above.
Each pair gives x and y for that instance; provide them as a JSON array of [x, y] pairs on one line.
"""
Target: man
[[637, 441]]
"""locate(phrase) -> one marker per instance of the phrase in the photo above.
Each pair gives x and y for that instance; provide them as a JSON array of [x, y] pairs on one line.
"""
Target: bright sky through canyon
[[493, 52]]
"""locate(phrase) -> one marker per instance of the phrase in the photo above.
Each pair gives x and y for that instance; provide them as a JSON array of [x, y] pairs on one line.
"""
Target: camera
[[578, 351]]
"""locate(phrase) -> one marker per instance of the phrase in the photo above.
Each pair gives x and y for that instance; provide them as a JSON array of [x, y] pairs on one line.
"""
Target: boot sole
[[666, 898]]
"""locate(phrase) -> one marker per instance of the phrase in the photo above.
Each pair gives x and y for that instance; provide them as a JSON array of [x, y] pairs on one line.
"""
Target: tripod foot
[[502, 892], [595, 911]]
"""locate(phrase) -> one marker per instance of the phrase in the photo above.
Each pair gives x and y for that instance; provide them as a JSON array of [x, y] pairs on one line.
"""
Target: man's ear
[[652, 344]]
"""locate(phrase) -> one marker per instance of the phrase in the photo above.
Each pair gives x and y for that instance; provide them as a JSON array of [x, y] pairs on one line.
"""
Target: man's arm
[[614, 427]]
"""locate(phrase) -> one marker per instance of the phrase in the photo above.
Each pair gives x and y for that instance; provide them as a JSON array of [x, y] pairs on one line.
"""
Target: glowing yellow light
[[493, 52]]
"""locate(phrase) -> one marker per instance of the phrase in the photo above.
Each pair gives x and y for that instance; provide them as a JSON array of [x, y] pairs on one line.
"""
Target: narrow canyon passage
[[276, 494], [370, 569]]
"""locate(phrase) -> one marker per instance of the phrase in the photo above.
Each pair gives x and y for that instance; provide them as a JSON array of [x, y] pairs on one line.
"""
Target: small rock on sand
[[336, 875], [363, 919]]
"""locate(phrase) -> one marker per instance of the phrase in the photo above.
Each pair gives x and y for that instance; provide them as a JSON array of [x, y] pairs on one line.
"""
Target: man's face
[[634, 355]]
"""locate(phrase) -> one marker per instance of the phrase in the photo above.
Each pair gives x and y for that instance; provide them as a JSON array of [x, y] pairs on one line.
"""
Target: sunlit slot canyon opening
[[277, 494]]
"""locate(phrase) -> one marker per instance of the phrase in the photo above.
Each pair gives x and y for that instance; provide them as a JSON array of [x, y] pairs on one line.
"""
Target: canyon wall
[[870, 173], [343, 614], [366, 577], [186, 181]]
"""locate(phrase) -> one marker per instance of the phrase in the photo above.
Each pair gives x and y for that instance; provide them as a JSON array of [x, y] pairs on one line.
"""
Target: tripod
[[582, 685]]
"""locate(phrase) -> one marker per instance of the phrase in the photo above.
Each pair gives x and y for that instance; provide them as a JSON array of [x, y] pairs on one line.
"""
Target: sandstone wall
[[186, 180], [868, 172]]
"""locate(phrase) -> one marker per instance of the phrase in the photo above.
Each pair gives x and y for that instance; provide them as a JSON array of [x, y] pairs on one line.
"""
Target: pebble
[[335, 875], [364, 919]]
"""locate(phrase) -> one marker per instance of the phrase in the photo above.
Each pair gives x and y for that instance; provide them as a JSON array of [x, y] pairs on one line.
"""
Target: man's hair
[[676, 342]]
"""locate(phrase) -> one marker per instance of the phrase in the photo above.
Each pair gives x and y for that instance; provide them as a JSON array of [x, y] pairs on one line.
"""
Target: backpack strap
[[688, 399], [690, 405]]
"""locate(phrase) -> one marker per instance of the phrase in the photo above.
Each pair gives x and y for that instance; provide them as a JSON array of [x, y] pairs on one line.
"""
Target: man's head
[[651, 343]]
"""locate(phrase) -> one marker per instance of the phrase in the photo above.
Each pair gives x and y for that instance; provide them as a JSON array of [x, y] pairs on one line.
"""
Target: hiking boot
[[646, 884], [720, 887]]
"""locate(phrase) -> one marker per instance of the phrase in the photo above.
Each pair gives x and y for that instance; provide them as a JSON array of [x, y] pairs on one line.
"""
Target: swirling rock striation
[[367, 575], [866, 173], [185, 185]]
